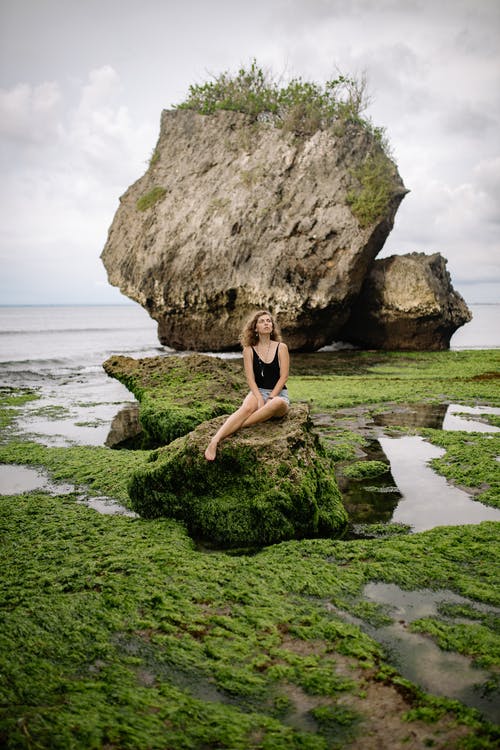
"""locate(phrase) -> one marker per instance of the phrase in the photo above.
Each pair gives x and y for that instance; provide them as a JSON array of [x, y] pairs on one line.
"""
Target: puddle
[[417, 656], [77, 410], [373, 499], [15, 480], [412, 492], [427, 498], [107, 506], [453, 420], [413, 415], [438, 417]]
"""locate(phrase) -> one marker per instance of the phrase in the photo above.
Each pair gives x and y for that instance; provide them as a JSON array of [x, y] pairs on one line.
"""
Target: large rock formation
[[407, 302], [269, 483], [233, 215]]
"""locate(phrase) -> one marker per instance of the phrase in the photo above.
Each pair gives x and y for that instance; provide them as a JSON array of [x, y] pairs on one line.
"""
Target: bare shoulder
[[283, 346]]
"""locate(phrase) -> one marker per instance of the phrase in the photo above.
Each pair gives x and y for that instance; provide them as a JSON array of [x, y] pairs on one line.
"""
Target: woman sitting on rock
[[266, 362]]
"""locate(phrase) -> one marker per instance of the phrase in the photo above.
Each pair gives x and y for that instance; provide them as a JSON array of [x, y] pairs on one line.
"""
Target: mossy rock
[[177, 393], [269, 483], [366, 469]]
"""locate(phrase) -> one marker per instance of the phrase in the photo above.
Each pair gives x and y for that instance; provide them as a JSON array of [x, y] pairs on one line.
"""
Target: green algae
[[270, 483], [178, 393], [219, 639], [465, 376], [119, 633], [472, 639], [101, 470], [471, 460], [11, 402], [365, 469], [379, 530]]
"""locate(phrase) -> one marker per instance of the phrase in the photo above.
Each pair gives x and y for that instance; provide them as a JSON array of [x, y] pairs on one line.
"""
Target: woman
[[267, 363]]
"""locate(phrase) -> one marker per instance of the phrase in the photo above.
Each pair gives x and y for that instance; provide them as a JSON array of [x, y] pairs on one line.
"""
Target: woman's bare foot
[[211, 450]]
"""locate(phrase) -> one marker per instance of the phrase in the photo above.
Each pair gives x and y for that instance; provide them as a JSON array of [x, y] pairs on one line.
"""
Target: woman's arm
[[248, 362], [284, 360]]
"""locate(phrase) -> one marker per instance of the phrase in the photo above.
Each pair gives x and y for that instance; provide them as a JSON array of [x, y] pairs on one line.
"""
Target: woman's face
[[264, 324]]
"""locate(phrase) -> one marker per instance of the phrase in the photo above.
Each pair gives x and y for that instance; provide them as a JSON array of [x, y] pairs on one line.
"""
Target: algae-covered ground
[[118, 632]]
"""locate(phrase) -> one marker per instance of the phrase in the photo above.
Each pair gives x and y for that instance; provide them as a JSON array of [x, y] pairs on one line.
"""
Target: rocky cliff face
[[234, 215], [407, 302]]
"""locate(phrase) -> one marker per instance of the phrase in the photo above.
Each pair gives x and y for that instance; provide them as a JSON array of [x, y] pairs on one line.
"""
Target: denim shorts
[[266, 392]]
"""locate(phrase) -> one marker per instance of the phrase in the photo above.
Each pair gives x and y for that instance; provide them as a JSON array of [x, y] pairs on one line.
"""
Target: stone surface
[[247, 216], [176, 393], [269, 482], [407, 302], [126, 430]]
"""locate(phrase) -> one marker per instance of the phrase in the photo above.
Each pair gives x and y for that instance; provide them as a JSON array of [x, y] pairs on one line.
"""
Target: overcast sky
[[83, 83]]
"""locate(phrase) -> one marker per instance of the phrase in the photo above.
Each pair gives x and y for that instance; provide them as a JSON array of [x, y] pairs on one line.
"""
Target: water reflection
[[16, 480], [370, 500], [427, 498], [413, 493], [453, 420], [417, 656], [414, 415]]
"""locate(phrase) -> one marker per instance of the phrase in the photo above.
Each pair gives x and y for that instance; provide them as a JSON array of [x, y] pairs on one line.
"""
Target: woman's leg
[[232, 424], [274, 407]]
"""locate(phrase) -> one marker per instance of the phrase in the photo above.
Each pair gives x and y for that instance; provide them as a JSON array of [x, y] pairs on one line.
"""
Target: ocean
[[59, 351]]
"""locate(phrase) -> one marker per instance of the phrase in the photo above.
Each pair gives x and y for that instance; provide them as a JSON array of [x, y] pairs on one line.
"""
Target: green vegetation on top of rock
[[302, 107]]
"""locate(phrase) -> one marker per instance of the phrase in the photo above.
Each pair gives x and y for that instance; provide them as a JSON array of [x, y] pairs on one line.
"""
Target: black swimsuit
[[266, 374]]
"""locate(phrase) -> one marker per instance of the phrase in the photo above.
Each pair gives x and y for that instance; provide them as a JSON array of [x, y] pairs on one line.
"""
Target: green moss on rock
[[269, 483], [177, 393], [149, 199], [366, 469]]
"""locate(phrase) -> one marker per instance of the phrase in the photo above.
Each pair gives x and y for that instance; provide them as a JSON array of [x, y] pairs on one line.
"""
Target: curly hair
[[248, 336]]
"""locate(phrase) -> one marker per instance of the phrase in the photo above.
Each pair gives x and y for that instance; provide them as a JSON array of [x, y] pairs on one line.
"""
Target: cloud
[[60, 191], [29, 113], [78, 121]]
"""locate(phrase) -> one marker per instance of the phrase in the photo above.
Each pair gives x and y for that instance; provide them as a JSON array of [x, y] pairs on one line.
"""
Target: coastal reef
[[124, 632], [281, 199], [269, 483]]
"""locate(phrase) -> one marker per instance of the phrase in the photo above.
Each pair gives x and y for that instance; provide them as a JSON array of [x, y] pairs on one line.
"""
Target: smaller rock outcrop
[[125, 430], [176, 393], [407, 302], [269, 483]]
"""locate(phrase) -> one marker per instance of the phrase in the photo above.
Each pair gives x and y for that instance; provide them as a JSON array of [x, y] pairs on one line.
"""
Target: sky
[[83, 84]]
